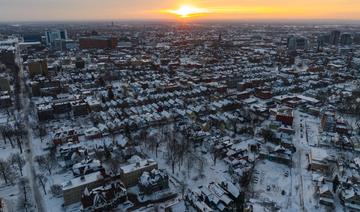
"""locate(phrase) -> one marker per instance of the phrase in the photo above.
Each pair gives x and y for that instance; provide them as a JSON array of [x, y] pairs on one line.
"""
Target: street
[[25, 112]]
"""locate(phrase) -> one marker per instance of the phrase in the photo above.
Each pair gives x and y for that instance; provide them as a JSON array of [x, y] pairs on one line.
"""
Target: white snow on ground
[[269, 178], [194, 176], [306, 135], [269, 181]]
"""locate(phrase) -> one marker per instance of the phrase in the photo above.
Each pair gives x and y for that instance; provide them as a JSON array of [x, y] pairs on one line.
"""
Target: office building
[[346, 39], [52, 35], [335, 37], [98, 42], [297, 43]]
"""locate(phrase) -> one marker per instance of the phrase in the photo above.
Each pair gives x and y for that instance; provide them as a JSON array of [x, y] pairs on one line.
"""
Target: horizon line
[[189, 21]]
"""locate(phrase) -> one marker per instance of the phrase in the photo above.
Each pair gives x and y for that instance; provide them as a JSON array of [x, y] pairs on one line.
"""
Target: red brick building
[[285, 116], [98, 42]]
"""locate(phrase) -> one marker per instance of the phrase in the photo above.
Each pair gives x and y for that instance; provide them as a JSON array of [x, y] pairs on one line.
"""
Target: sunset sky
[[33, 10]]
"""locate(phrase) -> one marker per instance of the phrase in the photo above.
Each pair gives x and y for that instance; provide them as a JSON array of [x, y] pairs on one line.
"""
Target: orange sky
[[156, 9]]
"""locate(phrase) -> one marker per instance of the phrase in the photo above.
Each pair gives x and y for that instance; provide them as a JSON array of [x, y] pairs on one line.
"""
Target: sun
[[186, 11]]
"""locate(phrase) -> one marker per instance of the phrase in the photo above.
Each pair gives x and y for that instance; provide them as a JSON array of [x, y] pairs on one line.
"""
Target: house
[[80, 108], [63, 136], [5, 99], [328, 121], [73, 189], [325, 194], [4, 82], [87, 166], [230, 188], [197, 201], [263, 94], [285, 116], [318, 159], [61, 106], [350, 197], [216, 197], [278, 155], [37, 67], [45, 112], [155, 180], [103, 198], [93, 133], [130, 174], [72, 153]]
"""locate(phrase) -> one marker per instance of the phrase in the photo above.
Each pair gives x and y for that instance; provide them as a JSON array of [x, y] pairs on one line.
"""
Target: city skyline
[[199, 10]]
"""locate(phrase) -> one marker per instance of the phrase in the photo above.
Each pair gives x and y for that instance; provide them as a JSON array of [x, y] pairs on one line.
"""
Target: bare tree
[[214, 154], [201, 168], [3, 133], [172, 153], [24, 199], [114, 164], [113, 135], [183, 187], [56, 190], [45, 162], [7, 133], [99, 155], [42, 179], [19, 143], [154, 142], [268, 135], [189, 164], [6, 172], [42, 132], [18, 162]]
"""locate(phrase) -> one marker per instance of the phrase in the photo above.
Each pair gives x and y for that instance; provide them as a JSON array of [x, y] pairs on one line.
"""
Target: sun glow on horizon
[[186, 11]]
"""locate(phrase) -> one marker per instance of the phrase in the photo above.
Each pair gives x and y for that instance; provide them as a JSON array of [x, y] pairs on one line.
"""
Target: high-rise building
[[335, 37], [323, 39], [356, 39], [296, 43], [346, 39], [55, 34]]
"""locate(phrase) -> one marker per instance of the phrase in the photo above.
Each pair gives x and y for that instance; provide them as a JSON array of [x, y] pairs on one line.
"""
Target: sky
[[59, 10]]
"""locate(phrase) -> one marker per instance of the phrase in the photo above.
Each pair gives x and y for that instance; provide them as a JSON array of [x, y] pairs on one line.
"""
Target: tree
[[110, 94], [214, 154], [18, 162], [42, 132], [24, 201], [42, 179], [6, 172], [114, 164], [113, 135], [201, 168], [183, 187], [268, 135], [153, 141], [56, 190], [189, 164], [99, 154], [19, 143], [336, 183], [172, 153], [3, 133], [45, 162]]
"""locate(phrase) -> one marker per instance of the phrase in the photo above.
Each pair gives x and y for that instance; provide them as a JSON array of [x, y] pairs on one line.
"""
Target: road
[[25, 106], [300, 141]]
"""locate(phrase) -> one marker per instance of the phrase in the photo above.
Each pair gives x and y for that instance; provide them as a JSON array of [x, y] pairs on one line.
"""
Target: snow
[[269, 181]]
